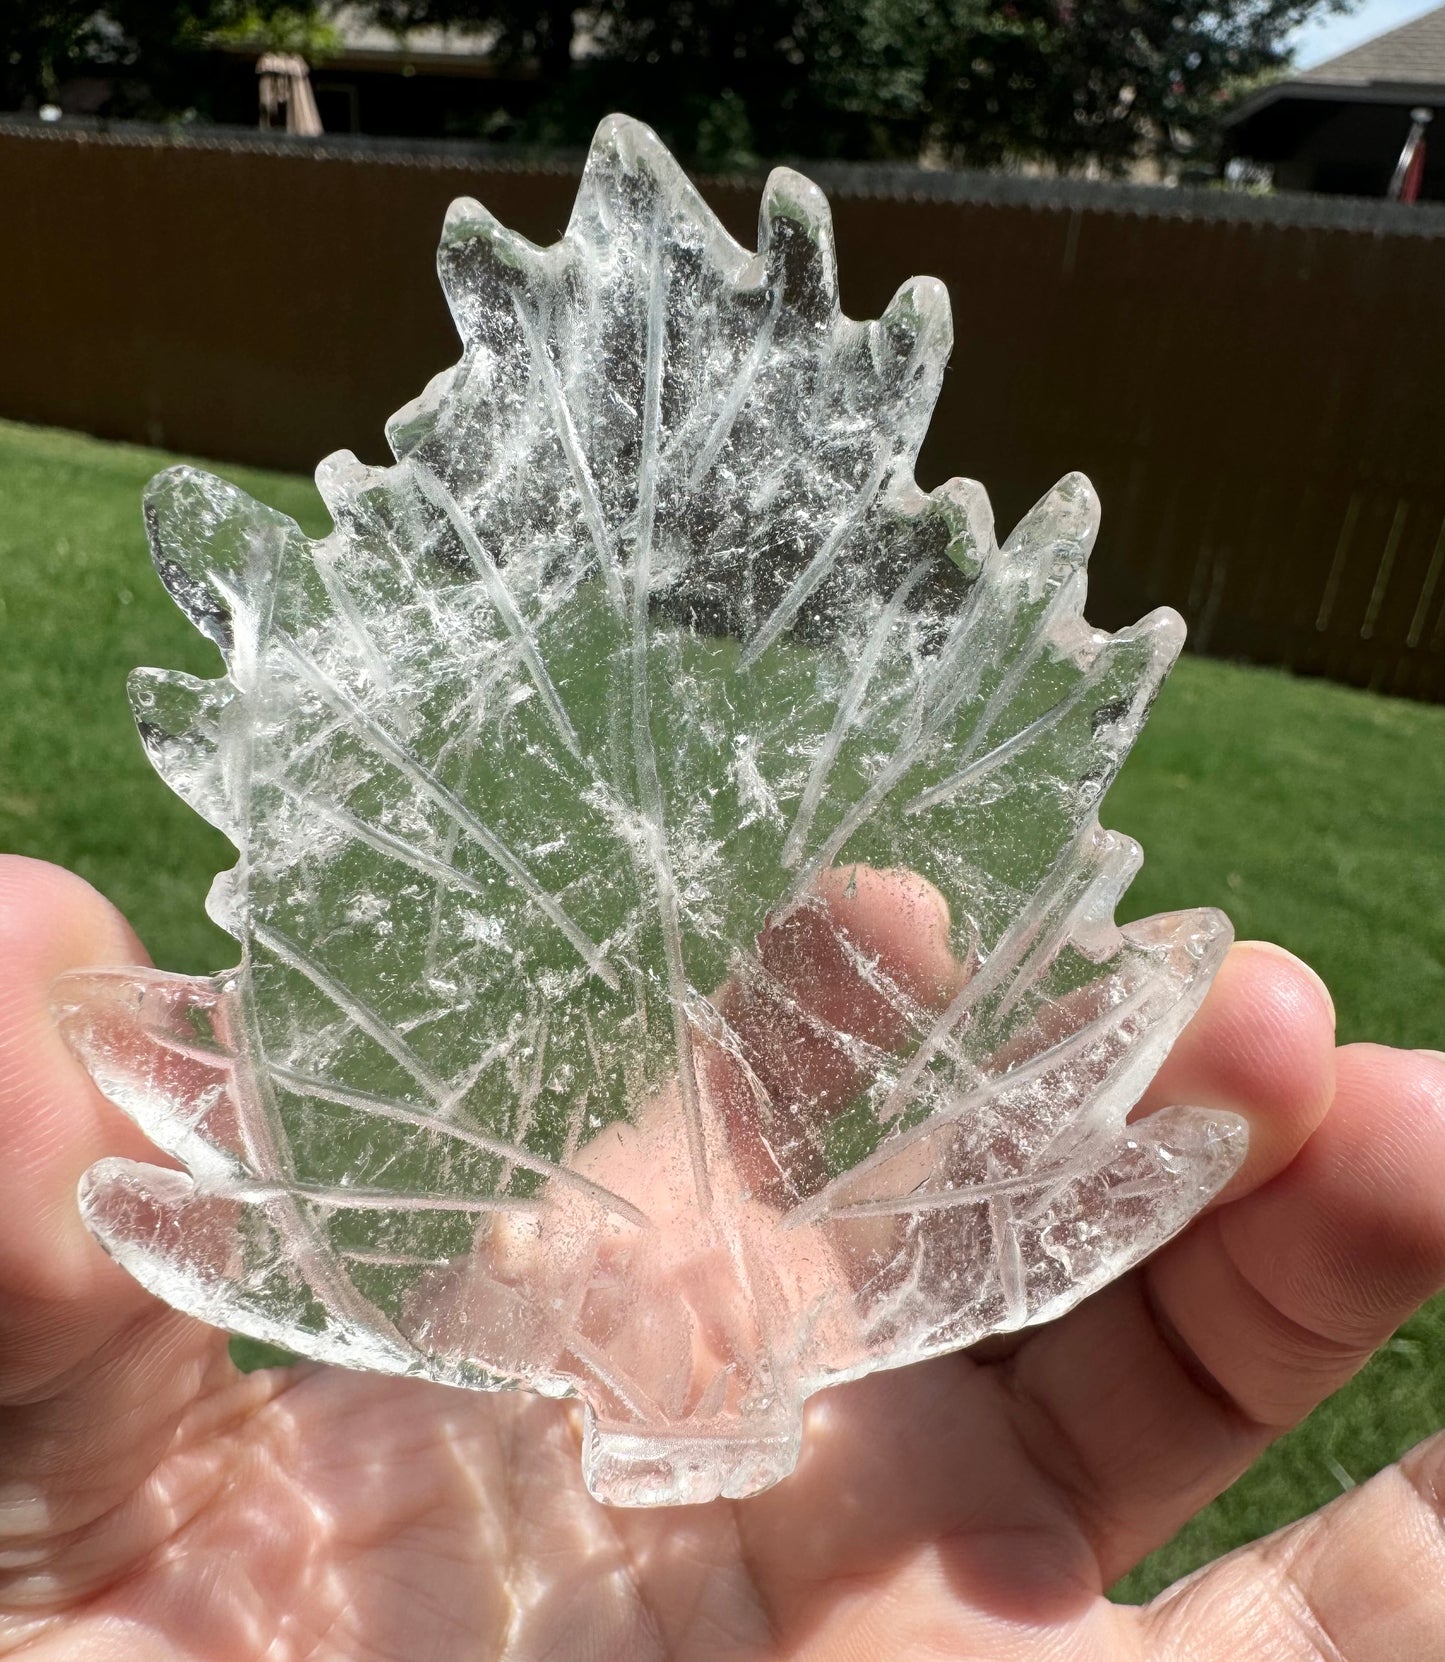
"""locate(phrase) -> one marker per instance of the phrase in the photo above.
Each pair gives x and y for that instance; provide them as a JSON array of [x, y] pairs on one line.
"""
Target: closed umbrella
[[1410, 169], [286, 97]]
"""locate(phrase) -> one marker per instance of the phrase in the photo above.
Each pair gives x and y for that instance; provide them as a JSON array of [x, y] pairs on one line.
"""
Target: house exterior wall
[[1340, 148]]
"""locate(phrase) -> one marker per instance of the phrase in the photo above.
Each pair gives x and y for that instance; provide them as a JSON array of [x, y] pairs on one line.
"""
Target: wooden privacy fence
[[1253, 385]]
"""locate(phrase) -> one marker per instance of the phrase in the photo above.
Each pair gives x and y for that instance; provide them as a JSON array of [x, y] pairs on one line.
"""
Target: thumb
[[94, 1373], [60, 1297]]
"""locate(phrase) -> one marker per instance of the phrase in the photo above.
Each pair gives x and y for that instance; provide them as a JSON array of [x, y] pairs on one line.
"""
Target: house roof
[[1405, 66], [1413, 53]]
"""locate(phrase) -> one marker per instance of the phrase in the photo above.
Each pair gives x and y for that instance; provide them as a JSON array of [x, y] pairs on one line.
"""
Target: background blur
[[1249, 374], [1179, 261]]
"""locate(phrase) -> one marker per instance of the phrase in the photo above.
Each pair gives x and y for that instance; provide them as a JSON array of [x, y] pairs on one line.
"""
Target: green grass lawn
[[1313, 814]]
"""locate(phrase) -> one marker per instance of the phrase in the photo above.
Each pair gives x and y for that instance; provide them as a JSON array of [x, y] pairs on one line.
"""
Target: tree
[[965, 82], [47, 41], [970, 82], [1107, 81]]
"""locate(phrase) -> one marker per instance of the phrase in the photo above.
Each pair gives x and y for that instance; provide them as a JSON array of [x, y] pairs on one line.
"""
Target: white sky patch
[[1326, 36]]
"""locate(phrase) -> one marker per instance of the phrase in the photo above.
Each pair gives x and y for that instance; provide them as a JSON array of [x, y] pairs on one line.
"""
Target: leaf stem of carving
[[1068, 881], [361, 1015], [627, 1391], [269, 1150], [349, 612], [737, 394], [980, 767], [649, 785], [935, 699], [432, 865]]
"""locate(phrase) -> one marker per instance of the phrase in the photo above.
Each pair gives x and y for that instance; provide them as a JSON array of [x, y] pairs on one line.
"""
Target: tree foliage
[[964, 82], [46, 42]]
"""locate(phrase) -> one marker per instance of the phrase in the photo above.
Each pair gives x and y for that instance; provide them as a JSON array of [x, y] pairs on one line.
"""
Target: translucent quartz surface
[[678, 958]]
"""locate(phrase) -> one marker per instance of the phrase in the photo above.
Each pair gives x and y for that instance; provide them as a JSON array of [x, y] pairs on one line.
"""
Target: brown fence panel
[[1253, 386]]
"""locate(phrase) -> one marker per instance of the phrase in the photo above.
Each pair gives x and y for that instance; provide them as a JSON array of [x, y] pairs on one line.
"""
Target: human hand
[[156, 1504]]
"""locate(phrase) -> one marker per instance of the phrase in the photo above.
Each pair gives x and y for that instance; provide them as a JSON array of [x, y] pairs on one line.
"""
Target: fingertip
[[1262, 1046], [1303, 975], [864, 958], [900, 921], [50, 916]]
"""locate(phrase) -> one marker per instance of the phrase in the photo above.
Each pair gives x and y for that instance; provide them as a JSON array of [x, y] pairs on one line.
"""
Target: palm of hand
[[157, 1505], [345, 1516]]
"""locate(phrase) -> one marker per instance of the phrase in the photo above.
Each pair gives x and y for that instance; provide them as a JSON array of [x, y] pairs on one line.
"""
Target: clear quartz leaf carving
[[561, 773]]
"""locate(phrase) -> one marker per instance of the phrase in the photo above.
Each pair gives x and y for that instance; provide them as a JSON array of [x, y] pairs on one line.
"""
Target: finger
[[1283, 1296], [860, 966], [53, 1124], [94, 1374], [658, 1323], [1149, 1399], [865, 953], [1261, 1046], [1359, 1581]]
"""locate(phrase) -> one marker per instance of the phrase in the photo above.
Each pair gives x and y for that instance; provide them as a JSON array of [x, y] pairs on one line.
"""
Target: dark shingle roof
[[1413, 52]]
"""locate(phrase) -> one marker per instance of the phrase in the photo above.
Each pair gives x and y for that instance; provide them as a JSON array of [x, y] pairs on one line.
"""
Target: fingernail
[[23, 1511], [1275, 950]]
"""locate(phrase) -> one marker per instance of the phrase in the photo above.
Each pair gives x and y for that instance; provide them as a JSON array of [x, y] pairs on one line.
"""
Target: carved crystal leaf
[[571, 776]]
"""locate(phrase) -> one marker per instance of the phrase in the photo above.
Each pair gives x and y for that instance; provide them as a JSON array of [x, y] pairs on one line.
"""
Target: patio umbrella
[[1410, 169], [286, 96]]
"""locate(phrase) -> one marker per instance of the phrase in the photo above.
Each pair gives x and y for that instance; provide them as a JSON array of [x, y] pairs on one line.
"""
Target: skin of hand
[[155, 1504]]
